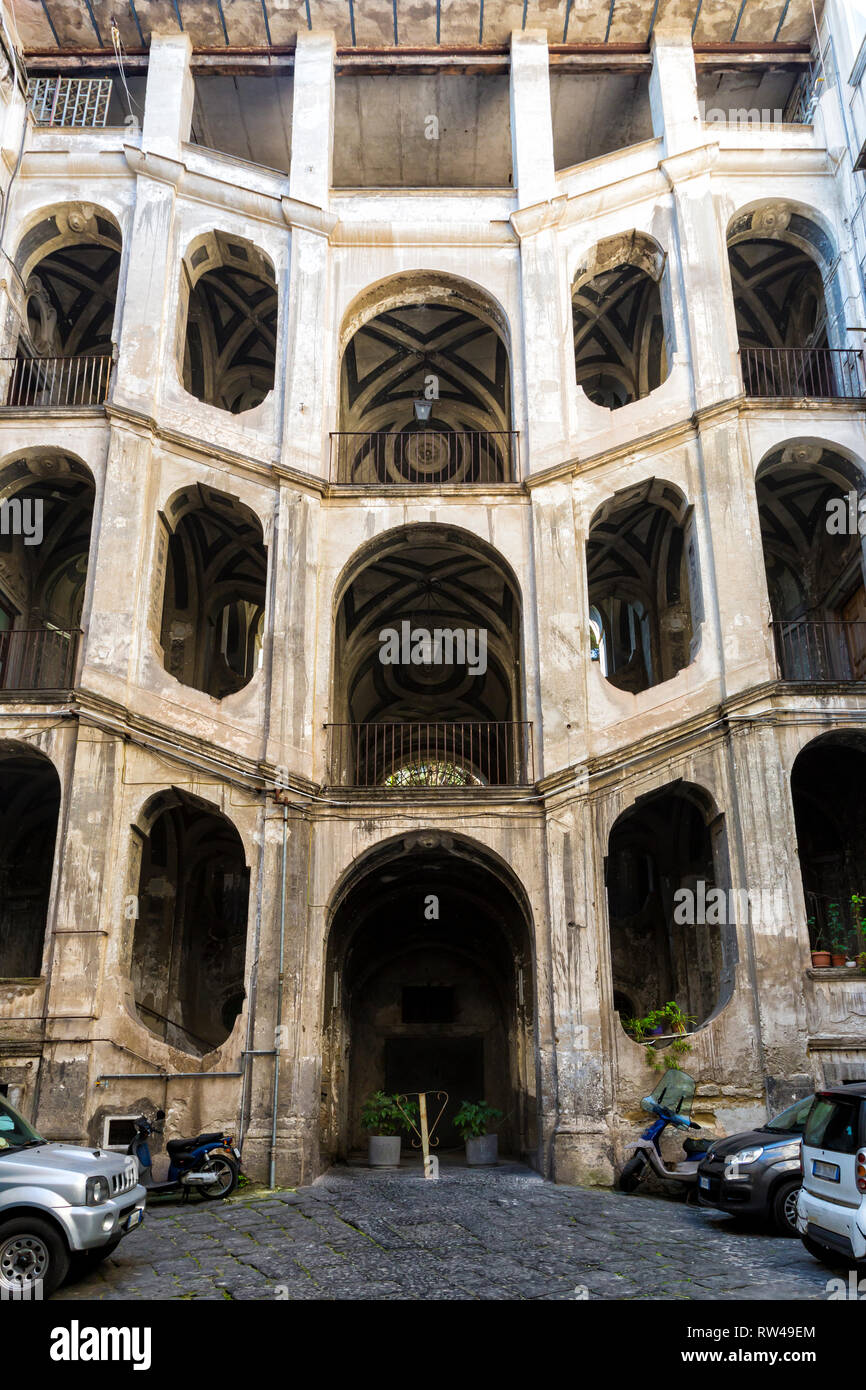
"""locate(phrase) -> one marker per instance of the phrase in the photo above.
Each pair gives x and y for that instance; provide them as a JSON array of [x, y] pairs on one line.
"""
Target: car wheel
[[785, 1207], [33, 1257], [632, 1173], [823, 1253], [226, 1173]]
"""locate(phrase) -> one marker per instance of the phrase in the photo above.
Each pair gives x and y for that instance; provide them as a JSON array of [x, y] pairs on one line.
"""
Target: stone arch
[[47, 499], [643, 582], [809, 501], [417, 340], [669, 840], [227, 322], [471, 968], [68, 264], [30, 795], [188, 948], [621, 320], [214, 590], [827, 794], [468, 702], [789, 302]]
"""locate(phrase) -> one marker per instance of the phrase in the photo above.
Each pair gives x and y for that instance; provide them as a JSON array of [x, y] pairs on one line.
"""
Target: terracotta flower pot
[[820, 959], [837, 958]]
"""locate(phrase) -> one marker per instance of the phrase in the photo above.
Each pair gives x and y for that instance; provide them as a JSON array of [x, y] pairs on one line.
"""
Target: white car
[[60, 1205], [831, 1209]]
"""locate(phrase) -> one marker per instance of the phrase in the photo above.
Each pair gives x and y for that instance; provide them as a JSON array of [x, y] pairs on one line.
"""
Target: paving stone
[[500, 1235]]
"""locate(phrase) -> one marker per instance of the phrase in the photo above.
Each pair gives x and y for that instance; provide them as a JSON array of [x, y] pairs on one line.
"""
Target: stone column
[[546, 330], [702, 251], [306, 420], [147, 344]]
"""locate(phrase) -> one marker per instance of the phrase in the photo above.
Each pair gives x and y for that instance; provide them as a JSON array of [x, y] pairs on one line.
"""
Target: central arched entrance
[[429, 987]]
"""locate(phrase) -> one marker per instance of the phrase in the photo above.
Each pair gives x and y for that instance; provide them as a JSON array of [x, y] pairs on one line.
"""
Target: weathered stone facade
[[180, 808]]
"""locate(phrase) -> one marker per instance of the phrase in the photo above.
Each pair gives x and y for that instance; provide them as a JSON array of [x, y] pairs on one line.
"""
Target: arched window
[[620, 351]]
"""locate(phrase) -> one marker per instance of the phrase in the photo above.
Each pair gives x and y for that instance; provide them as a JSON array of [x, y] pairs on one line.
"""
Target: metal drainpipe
[[276, 1096]]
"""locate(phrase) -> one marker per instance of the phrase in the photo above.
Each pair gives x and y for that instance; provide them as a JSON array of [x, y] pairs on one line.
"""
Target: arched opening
[[29, 809], [620, 350], [641, 558], [425, 386], [189, 944], [427, 666], [788, 304], [69, 263], [429, 986], [808, 501], [827, 782], [214, 597], [228, 324], [46, 513], [672, 922]]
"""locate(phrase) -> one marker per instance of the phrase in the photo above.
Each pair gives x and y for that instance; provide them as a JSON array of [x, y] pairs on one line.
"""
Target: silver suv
[[59, 1205]]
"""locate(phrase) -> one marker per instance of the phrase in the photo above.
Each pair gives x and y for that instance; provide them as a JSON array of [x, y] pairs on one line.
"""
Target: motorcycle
[[210, 1162], [670, 1103]]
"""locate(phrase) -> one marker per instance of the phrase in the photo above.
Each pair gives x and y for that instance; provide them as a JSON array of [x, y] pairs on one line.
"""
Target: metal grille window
[[69, 101]]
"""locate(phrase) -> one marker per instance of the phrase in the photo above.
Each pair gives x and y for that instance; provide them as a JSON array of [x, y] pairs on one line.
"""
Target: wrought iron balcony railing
[[56, 382], [437, 753], [830, 650], [69, 101], [808, 373], [424, 457], [38, 658]]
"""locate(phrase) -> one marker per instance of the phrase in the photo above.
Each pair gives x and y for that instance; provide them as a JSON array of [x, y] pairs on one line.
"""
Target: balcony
[[436, 754], [424, 457], [831, 650], [835, 374], [37, 658], [56, 382], [69, 101]]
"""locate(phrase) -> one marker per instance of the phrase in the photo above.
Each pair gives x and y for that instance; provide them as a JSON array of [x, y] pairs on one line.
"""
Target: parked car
[[831, 1212], [59, 1205], [757, 1173]]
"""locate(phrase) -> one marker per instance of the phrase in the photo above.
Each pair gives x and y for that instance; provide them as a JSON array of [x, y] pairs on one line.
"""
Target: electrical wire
[[117, 45]]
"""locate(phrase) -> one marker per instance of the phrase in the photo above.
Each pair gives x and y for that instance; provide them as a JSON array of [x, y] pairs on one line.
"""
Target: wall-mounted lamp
[[422, 410]]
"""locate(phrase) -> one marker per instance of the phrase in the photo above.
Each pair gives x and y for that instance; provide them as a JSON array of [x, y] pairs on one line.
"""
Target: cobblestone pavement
[[498, 1234]]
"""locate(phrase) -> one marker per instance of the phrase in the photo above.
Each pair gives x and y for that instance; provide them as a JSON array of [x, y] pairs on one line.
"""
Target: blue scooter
[[210, 1162], [670, 1103]]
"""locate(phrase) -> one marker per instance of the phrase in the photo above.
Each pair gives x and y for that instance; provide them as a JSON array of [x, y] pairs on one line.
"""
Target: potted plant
[[838, 935], [820, 955], [384, 1121], [473, 1120]]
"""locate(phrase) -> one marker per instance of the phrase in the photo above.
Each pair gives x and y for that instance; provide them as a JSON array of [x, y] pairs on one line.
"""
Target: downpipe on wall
[[276, 1095]]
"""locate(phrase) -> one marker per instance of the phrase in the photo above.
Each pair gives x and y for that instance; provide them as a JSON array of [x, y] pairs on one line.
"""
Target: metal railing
[[438, 753], [829, 650], [424, 457], [56, 381], [814, 373], [69, 101], [38, 658]]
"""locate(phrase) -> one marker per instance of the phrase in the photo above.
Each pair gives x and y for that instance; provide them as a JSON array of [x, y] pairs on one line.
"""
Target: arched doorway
[[29, 809], [827, 792], [429, 986]]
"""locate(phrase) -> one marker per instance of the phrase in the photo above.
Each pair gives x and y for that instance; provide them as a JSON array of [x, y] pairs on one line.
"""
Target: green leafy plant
[[837, 930], [474, 1118], [380, 1113]]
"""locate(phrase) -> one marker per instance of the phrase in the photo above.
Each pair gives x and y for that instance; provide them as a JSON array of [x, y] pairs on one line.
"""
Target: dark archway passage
[[668, 841], [827, 789], [189, 945], [429, 986], [29, 808]]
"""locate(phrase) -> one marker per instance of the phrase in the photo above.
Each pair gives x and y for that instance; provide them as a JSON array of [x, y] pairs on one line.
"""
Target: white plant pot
[[483, 1151], [383, 1150]]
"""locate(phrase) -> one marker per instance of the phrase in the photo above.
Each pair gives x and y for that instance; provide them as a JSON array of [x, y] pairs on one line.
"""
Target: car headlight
[[746, 1156], [97, 1191], [784, 1151]]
